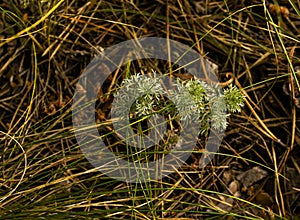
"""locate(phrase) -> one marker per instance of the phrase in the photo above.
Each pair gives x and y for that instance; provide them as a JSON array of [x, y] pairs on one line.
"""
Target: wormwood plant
[[187, 100]]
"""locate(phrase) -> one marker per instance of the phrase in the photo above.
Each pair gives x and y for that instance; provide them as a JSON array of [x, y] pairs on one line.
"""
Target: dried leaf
[[251, 176]]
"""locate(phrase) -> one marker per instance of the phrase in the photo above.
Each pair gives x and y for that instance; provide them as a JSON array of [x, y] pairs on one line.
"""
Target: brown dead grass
[[42, 56]]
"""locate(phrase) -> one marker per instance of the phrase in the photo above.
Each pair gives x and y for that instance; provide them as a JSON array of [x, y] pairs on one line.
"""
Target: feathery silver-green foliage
[[192, 100]]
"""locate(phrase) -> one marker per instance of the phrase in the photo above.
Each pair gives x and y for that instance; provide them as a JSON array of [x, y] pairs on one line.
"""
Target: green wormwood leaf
[[195, 100]]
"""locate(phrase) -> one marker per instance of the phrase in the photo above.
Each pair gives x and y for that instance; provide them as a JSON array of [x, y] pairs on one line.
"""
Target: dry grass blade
[[46, 46]]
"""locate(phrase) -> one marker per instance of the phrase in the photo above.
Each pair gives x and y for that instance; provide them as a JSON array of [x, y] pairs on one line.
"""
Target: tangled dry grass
[[45, 46]]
